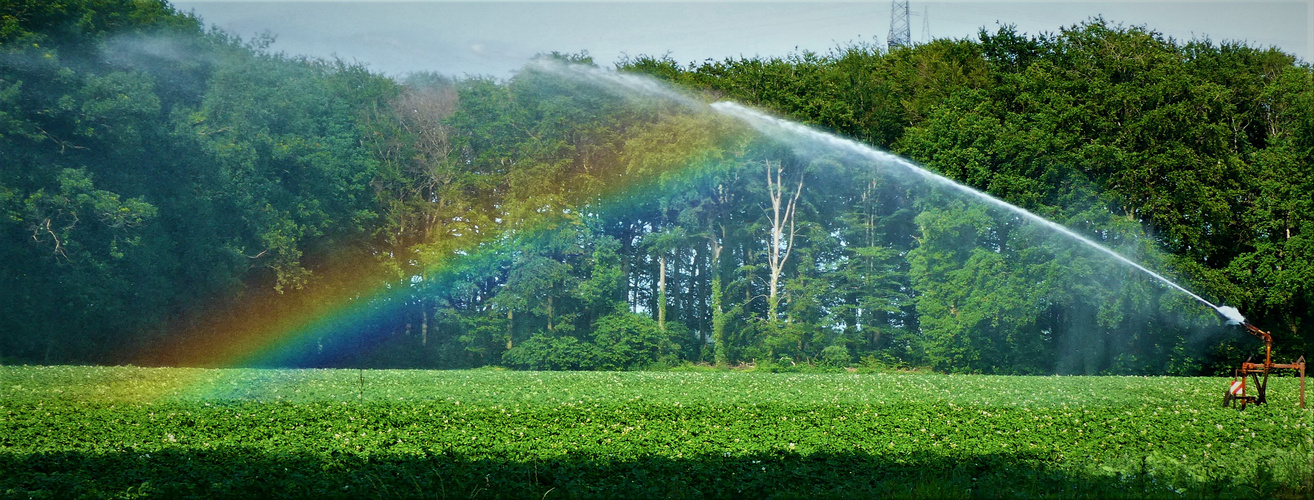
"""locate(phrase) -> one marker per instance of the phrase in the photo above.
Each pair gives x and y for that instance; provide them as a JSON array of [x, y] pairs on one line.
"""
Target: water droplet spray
[[793, 132]]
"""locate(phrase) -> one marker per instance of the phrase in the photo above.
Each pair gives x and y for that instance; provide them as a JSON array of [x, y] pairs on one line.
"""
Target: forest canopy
[[173, 195]]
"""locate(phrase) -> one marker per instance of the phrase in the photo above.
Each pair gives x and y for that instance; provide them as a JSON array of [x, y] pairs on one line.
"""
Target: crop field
[[124, 432]]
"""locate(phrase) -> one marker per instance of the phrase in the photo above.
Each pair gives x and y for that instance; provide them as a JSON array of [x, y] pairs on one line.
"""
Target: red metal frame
[[1258, 372]]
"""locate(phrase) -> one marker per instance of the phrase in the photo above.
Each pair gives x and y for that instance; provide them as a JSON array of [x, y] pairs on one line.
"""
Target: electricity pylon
[[926, 24], [900, 32]]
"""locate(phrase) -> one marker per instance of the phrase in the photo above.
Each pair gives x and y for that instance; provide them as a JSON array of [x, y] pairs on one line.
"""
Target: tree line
[[163, 183]]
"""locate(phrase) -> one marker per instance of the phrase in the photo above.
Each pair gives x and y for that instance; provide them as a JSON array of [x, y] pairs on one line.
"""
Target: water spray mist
[[792, 132]]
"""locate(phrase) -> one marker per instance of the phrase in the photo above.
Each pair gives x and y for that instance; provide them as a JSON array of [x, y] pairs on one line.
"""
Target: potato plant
[[142, 432]]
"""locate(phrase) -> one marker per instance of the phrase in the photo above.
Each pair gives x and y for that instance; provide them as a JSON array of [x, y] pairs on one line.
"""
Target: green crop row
[[132, 432]]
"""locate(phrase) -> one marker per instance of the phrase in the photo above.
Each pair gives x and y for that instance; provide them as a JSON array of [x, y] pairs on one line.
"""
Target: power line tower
[[900, 32], [926, 24]]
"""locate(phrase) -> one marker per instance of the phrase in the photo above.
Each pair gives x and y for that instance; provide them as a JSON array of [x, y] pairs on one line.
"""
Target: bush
[[544, 352], [628, 341], [835, 356], [621, 341]]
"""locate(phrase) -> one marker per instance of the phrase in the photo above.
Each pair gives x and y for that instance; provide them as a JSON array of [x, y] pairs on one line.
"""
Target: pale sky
[[494, 37]]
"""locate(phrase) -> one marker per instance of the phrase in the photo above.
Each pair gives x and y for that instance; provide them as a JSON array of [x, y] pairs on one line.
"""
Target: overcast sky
[[495, 38]]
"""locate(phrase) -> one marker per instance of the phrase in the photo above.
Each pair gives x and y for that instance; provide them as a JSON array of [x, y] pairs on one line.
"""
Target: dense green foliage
[[115, 432], [149, 171], [164, 187]]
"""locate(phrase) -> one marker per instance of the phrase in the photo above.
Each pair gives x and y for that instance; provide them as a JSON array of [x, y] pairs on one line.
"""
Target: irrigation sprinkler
[[1258, 373]]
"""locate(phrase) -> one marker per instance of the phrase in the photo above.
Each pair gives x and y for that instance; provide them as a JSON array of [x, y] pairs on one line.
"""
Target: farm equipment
[[1258, 373]]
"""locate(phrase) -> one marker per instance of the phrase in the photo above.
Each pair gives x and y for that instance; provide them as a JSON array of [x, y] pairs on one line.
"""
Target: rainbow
[[338, 317]]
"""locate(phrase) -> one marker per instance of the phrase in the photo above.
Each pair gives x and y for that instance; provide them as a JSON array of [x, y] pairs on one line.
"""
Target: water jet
[[787, 130]]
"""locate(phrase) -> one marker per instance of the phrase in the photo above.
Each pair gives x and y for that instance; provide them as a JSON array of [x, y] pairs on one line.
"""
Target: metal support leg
[[1301, 361]]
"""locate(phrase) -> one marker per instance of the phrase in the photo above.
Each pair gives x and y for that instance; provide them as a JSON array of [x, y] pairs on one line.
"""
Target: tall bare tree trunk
[[424, 326], [780, 245], [721, 350], [510, 327], [661, 293], [627, 249], [697, 275], [549, 311]]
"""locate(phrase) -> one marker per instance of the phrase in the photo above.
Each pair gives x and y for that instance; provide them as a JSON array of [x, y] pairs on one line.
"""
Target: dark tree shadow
[[249, 472]]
